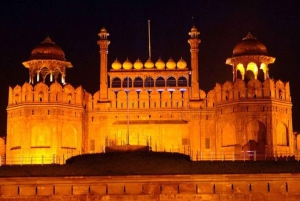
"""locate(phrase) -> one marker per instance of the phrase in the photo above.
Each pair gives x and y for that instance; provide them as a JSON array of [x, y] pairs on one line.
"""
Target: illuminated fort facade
[[154, 104]]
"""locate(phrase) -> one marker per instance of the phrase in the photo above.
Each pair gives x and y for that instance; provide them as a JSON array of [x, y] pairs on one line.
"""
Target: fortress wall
[[178, 187]]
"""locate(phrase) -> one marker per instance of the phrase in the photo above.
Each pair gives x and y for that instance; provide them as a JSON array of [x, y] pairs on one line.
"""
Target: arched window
[[41, 96], [149, 82], [182, 82], [252, 67], [240, 71], [160, 82], [282, 135], [116, 83], [138, 82], [228, 135], [127, 82], [171, 82]]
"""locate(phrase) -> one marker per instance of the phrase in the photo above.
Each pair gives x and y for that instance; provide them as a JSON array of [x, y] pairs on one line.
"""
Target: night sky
[[74, 25]]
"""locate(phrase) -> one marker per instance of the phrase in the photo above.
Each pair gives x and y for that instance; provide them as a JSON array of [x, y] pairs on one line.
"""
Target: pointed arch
[[56, 92], [256, 130], [282, 136], [240, 71], [40, 135], [228, 135], [252, 67], [69, 136], [15, 136], [27, 90]]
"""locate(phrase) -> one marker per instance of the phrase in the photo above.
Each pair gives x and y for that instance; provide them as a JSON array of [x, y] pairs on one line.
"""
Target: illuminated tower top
[[47, 59], [250, 56]]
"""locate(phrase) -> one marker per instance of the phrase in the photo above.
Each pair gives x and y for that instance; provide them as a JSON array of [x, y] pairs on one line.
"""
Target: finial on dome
[[249, 36], [48, 40]]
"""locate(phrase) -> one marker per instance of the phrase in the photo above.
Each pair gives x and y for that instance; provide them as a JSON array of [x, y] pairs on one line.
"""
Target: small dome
[[194, 29], [160, 64], [249, 46], [116, 65], [149, 64], [103, 30], [127, 65], [181, 64], [171, 64], [138, 64], [48, 50], [194, 32]]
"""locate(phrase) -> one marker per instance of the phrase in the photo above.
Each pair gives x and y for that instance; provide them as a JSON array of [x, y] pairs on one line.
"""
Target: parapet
[[55, 93]]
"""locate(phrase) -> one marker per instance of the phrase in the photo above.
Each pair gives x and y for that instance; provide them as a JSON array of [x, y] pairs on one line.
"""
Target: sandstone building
[[153, 104]]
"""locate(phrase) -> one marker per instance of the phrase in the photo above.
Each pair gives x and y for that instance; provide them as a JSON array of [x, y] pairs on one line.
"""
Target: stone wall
[[151, 188]]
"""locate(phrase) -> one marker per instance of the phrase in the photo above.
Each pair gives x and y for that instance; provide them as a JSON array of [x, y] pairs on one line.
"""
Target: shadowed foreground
[[146, 163]]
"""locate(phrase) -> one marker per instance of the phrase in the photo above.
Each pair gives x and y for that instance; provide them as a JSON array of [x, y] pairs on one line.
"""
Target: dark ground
[[146, 163]]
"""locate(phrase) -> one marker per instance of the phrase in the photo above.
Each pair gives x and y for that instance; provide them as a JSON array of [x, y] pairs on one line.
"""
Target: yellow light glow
[[241, 68], [252, 67]]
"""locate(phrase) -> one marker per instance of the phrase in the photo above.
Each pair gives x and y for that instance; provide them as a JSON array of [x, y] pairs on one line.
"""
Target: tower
[[47, 59], [44, 119], [194, 42], [103, 43], [250, 59]]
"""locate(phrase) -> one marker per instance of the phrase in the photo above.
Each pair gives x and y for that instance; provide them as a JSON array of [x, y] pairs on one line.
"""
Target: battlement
[[269, 89], [55, 93]]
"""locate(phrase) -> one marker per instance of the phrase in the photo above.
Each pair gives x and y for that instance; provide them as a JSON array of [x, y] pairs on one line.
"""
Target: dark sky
[[74, 25]]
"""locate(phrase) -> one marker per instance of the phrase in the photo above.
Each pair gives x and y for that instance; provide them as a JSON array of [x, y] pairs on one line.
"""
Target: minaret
[[194, 42], [103, 43]]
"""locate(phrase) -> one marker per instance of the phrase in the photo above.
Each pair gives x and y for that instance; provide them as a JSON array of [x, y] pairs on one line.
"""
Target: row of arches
[[41, 136], [251, 71], [255, 131], [116, 82]]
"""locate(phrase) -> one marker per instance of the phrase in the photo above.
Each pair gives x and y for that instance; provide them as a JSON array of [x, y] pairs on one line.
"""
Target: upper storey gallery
[[164, 80]]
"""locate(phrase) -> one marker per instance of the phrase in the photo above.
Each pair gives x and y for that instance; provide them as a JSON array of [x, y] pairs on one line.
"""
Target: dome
[[138, 64], [160, 64], [171, 64], [116, 65], [250, 46], [48, 50], [149, 64], [181, 64], [127, 65]]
